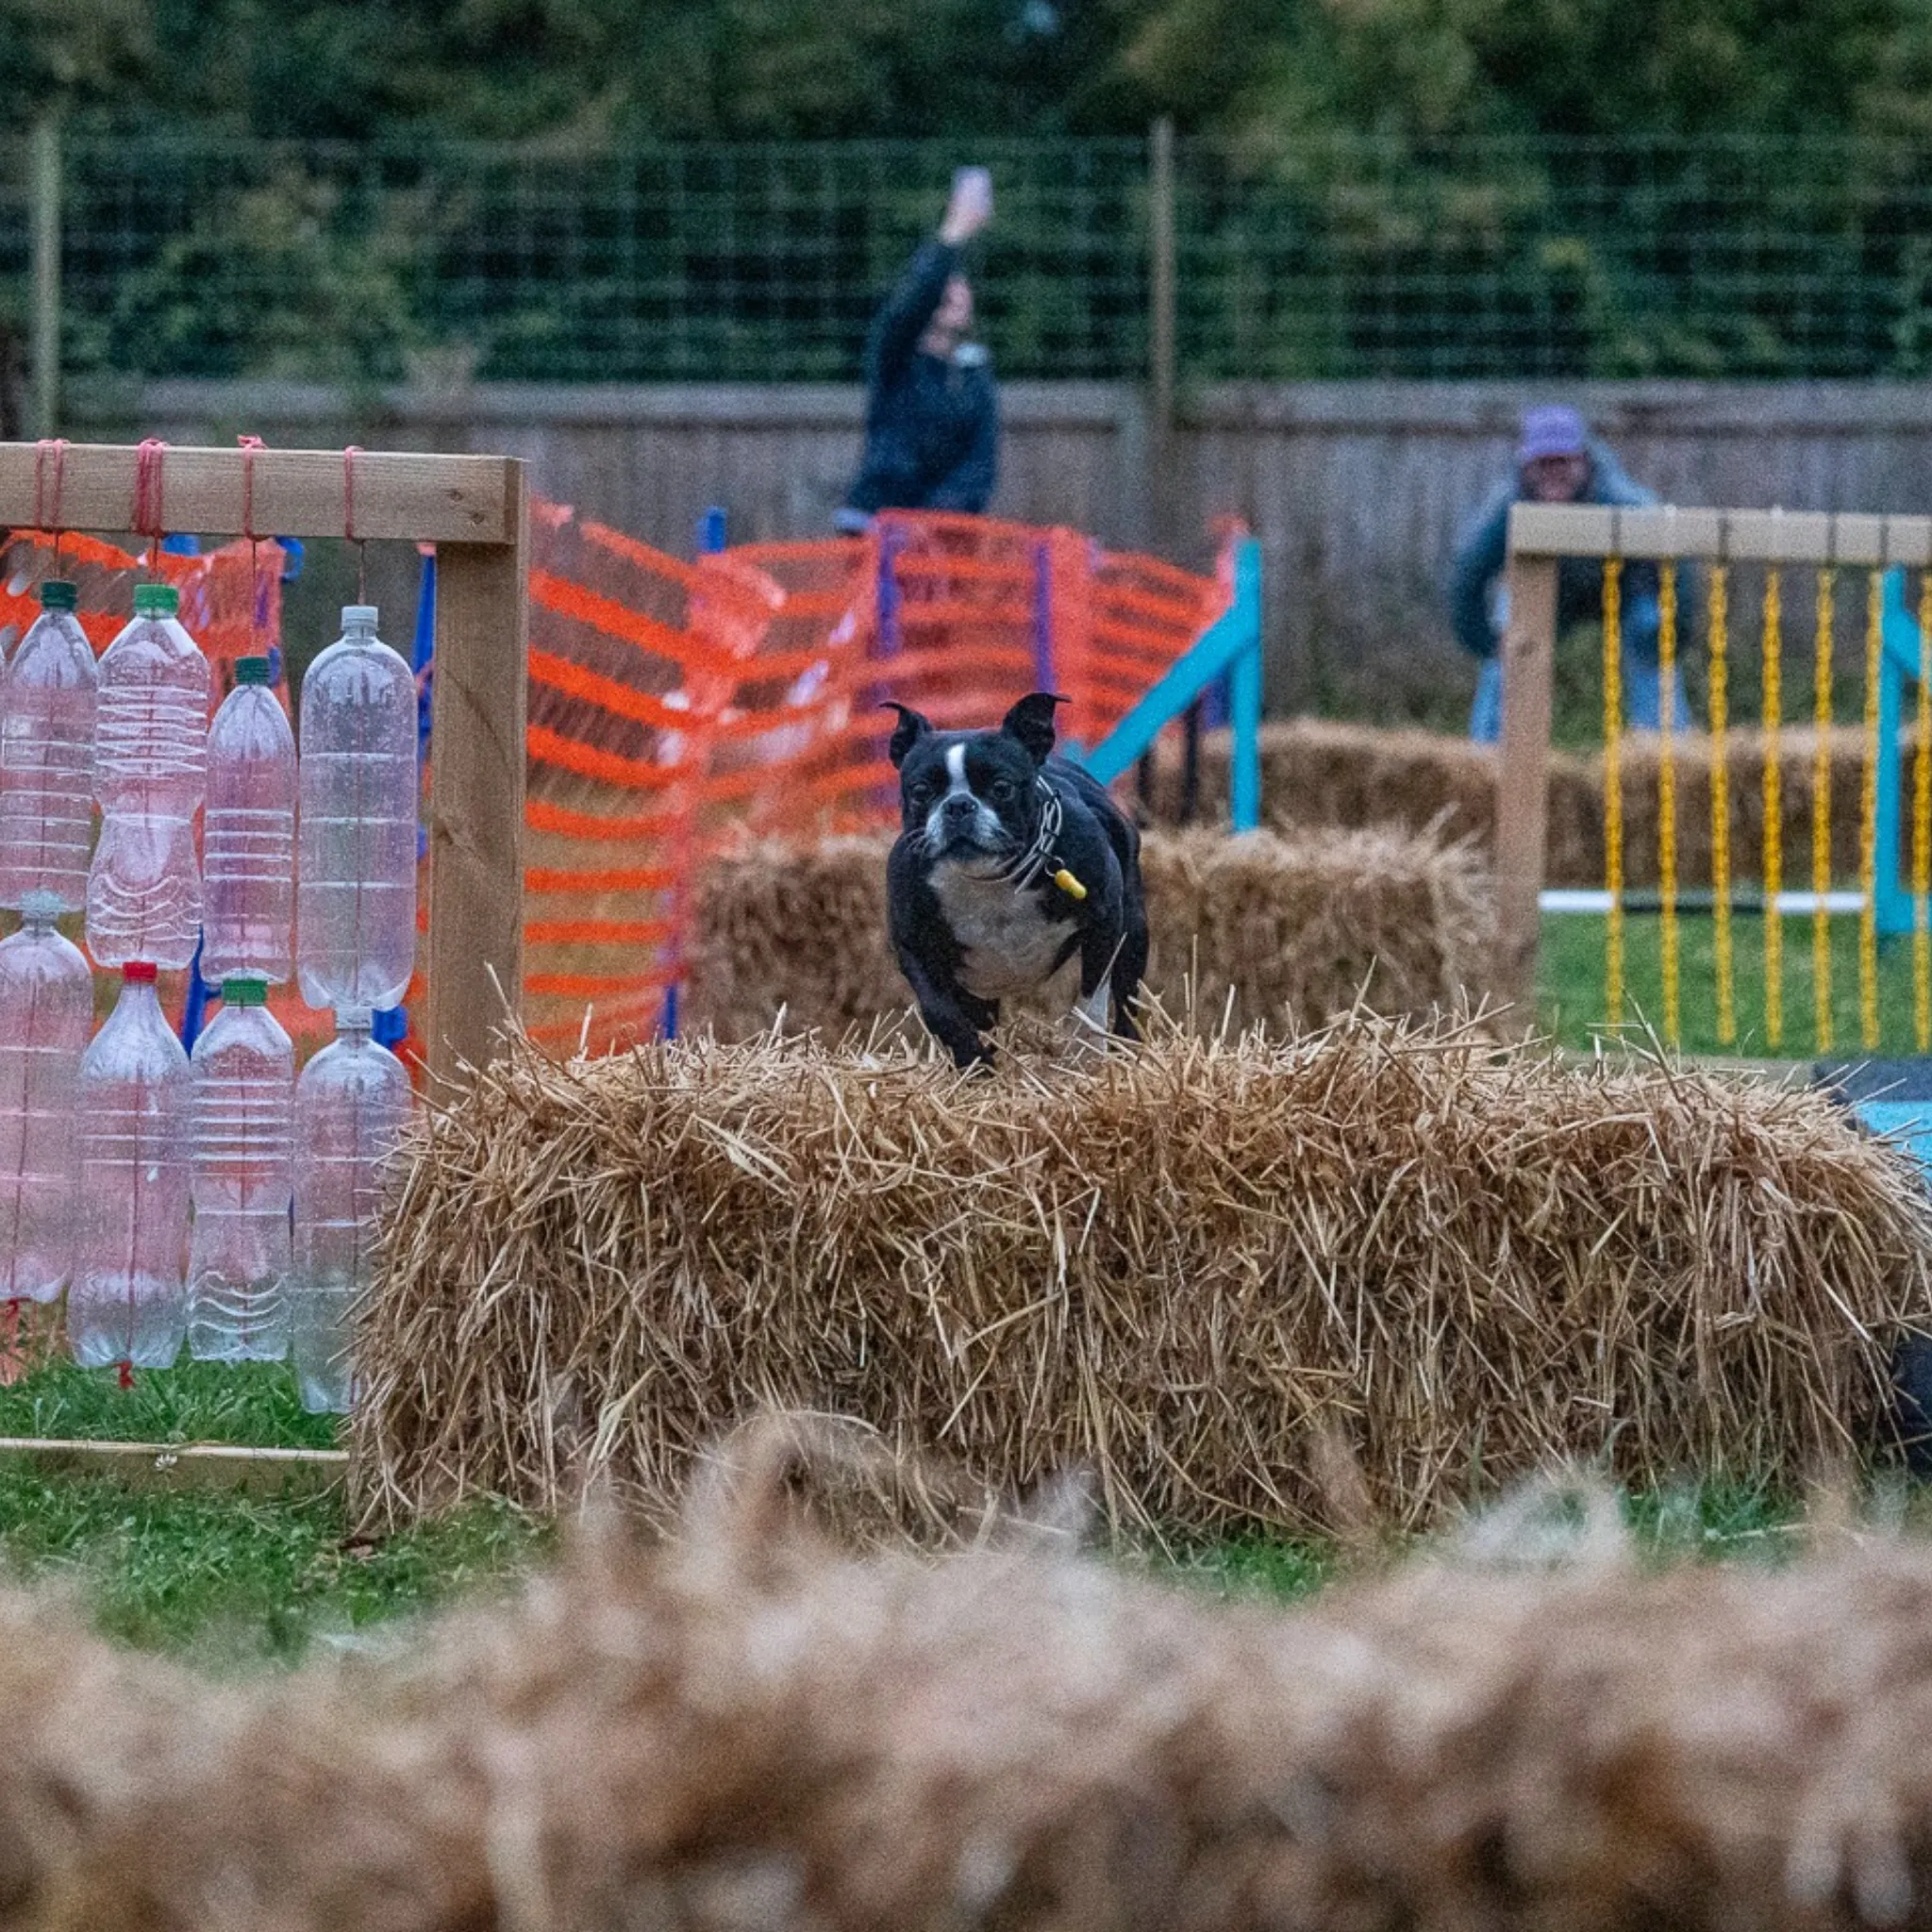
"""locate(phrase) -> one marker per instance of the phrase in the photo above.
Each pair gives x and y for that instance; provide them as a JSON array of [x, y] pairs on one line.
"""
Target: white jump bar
[[1585, 899]]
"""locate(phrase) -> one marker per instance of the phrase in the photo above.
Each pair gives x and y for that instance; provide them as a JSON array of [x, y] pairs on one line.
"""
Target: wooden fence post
[[476, 737], [45, 335], [1522, 780], [1162, 347]]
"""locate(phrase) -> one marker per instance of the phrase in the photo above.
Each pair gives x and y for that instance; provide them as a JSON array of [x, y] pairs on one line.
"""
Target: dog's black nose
[[958, 807]]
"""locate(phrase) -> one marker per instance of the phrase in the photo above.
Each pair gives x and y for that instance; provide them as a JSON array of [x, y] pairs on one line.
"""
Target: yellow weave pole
[[1774, 813], [1921, 829], [1667, 794], [1721, 805], [1821, 812], [1613, 787], [1868, 822]]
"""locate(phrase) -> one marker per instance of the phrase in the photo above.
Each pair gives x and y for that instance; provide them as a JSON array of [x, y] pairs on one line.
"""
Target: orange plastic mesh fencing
[[616, 670], [678, 708], [231, 602]]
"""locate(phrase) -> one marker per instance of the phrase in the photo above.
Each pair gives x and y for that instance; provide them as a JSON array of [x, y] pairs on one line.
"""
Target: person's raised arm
[[907, 311], [969, 207]]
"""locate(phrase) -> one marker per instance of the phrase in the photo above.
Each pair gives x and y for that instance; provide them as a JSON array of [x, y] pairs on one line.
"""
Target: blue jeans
[[1642, 682]]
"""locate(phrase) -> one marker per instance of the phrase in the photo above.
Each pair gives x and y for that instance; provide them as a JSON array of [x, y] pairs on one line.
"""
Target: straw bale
[[1745, 762], [751, 1728], [1177, 1266], [1322, 772], [1267, 928], [1302, 925], [1316, 773]]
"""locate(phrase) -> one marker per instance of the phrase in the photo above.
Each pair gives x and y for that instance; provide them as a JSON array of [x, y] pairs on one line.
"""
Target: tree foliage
[[1370, 159], [1264, 71]]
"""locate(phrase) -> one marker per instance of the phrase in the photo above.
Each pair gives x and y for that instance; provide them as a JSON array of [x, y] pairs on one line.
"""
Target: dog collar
[[1040, 857]]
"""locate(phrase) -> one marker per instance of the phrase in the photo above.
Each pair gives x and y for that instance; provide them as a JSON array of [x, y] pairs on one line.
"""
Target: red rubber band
[[249, 445], [257, 614], [150, 493], [46, 514], [349, 455]]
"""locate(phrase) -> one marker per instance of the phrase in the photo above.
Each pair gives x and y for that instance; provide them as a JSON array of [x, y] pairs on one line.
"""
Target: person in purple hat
[[1558, 460]]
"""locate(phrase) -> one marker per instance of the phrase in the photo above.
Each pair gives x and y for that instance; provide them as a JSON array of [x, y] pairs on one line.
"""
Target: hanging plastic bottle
[[356, 897], [46, 756], [248, 834], [128, 1302], [46, 1012], [240, 1255], [144, 891], [351, 1105]]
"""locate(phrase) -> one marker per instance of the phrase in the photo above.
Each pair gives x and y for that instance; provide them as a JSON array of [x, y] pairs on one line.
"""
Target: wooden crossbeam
[[297, 492], [183, 1465], [1760, 536]]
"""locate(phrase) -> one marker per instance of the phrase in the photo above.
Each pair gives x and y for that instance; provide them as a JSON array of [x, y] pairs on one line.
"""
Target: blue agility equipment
[[1229, 648]]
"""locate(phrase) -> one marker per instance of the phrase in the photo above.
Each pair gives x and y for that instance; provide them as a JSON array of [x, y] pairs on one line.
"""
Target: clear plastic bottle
[[351, 1105], [128, 1302], [248, 834], [144, 891], [46, 756], [46, 1012], [355, 899], [240, 1255]]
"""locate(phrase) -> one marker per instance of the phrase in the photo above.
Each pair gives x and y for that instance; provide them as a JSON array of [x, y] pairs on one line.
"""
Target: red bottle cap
[[140, 971]]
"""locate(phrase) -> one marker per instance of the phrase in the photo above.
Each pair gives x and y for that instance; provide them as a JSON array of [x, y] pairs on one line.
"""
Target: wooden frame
[[1540, 537], [476, 510], [184, 1465]]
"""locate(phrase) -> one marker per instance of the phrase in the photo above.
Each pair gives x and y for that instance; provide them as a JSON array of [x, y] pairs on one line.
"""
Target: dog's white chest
[[1008, 943]]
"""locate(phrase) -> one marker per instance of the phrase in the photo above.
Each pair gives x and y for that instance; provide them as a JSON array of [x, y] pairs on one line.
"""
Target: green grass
[[1571, 985], [1688, 1523], [199, 1402], [233, 1581]]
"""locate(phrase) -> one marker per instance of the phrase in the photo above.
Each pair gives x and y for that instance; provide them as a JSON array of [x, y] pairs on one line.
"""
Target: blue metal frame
[[888, 593], [713, 535], [1898, 666], [1230, 647], [1042, 616]]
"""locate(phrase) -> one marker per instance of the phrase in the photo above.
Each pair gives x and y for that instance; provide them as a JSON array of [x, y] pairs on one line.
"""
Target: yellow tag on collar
[[1068, 883]]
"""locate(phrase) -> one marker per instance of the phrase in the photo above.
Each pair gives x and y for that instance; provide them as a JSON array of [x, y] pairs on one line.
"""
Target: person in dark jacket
[[1559, 461], [931, 413]]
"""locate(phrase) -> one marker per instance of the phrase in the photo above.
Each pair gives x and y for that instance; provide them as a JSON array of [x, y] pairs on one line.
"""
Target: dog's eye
[[1000, 790]]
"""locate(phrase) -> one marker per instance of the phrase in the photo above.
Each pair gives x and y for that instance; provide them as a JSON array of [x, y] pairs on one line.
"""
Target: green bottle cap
[[57, 593], [156, 600], [244, 991], [251, 669]]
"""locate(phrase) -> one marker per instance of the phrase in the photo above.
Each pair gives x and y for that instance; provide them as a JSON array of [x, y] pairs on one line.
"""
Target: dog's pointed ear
[[911, 728], [1031, 721]]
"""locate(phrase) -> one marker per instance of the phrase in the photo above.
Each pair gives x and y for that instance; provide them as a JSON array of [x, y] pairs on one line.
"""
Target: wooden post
[[478, 714], [1522, 780], [1161, 330], [44, 345]]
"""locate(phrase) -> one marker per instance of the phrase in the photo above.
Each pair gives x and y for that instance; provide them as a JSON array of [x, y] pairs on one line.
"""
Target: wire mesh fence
[[186, 256]]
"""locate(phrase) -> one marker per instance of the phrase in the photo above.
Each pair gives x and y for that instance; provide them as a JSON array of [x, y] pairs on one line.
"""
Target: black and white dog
[[1010, 863]]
